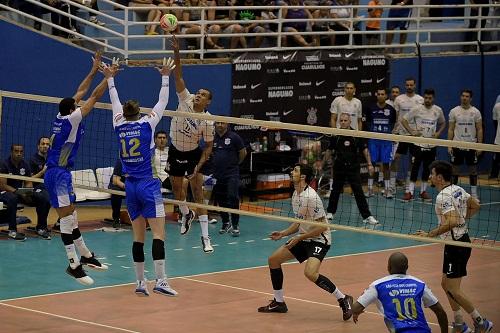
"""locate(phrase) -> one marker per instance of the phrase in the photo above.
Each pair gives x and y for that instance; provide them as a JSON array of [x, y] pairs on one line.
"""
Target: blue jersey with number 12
[[401, 298]]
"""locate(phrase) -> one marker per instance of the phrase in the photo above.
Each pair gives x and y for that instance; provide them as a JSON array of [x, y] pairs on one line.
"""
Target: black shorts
[[182, 163], [303, 250], [404, 148], [455, 259], [459, 156]]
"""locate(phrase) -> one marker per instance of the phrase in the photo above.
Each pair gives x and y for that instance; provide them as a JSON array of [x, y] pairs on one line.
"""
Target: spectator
[[228, 153], [375, 13], [344, 25], [8, 214], [93, 16], [161, 158], [296, 27], [224, 15], [323, 13], [117, 182], [482, 12], [149, 15], [39, 198], [193, 28], [251, 15], [399, 10]]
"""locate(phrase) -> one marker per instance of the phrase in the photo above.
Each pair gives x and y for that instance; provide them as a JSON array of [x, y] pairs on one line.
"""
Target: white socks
[[204, 225], [278, 296]]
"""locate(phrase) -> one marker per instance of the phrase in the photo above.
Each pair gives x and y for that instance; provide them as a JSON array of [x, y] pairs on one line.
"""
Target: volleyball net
[[273, 149]]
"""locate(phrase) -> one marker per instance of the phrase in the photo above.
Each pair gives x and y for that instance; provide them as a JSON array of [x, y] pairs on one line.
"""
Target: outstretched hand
[[110, 70], [276, 235], [168, 66], [96, 61]]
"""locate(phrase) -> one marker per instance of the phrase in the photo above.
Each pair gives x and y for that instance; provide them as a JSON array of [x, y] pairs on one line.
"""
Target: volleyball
[[168, 22]]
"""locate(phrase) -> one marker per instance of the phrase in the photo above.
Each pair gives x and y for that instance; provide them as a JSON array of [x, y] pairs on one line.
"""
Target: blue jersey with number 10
[[401, 298]]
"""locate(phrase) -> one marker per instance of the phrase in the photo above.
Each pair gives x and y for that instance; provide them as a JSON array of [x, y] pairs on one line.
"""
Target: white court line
[[489, 203], [414, 200], [68, 318], [212, 273], [287, 297]]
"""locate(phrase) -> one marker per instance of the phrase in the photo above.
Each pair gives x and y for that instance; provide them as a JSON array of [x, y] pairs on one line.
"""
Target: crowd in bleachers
[[342, 20]]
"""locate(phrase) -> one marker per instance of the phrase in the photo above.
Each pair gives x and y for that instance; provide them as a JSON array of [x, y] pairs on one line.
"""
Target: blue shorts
[[144, 198], [380, 151], [60, 187]]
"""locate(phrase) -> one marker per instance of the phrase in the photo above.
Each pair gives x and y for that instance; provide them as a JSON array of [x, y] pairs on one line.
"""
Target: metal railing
[[119, 33]]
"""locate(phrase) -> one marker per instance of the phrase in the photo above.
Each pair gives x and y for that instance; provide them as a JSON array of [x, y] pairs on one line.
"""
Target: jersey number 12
[[134, 143]]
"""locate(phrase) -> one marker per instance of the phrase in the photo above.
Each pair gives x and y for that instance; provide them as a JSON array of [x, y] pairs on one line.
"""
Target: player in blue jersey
[[67, 131], [142, 185], [381, 118], [400, 298]]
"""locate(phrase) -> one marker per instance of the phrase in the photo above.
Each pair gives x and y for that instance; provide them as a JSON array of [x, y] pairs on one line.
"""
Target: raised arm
[[179, 81], [165, 70], [87, 81], [110, 72], [94, 97]]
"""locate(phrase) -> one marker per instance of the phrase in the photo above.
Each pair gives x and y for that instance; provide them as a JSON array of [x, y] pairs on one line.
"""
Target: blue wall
[[30, 63]]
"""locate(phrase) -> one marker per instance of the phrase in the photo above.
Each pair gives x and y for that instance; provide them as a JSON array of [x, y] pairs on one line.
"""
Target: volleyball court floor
[[222, 291]]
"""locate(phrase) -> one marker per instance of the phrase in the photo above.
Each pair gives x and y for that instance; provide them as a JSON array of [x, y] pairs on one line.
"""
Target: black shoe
[[79, 274], [18, 236], [116, 223], [346, 306], [279, 307], [226, 227], [93, 263], [44, 234]]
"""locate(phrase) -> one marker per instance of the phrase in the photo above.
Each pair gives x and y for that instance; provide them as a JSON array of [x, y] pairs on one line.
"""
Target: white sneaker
[[388, 194], [212, 221], [93, 19], [207, 246], [163, 288], [329, 216], [141, 288], [369, 194], [187, 220], [370, 220]]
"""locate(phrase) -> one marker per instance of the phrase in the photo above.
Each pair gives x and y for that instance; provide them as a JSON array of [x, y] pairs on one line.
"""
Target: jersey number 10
[[410, 308], [132, 151]]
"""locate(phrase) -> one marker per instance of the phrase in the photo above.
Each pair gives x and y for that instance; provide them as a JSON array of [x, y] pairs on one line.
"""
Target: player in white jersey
[[403, 104], [496, 157], [347, 104], [454, 207], [395, 92], [310, 245], [186, 158], [465, 125], [400, 298], [426, 121]]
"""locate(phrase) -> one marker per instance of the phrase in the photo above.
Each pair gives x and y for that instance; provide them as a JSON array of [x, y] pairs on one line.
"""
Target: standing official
[[346, 167], [227, 154]]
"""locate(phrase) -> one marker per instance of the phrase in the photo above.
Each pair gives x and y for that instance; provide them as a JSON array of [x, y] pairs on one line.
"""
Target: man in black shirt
[[39, 159], [346, 167], [16, 165], [117, 182]]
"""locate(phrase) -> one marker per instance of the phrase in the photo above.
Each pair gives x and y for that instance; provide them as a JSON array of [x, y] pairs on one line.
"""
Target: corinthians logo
[[312, 117]]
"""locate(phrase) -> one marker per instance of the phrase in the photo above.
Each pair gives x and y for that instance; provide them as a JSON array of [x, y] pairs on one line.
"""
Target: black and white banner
[[299, 87]]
